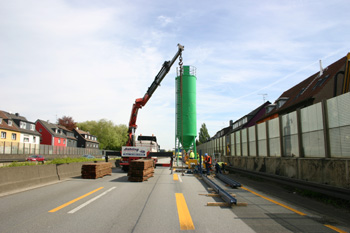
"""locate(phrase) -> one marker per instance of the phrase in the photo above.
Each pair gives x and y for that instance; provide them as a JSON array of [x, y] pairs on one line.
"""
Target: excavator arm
[[140, 102]]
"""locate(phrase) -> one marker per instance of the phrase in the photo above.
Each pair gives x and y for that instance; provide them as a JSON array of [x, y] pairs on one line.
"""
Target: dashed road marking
[[185, 218], [335, 229], [72, 201], [273, 201], [290, 208], [90, 201]]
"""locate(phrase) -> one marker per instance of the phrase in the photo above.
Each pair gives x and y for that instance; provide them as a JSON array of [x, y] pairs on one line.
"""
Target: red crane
[[140, 102]]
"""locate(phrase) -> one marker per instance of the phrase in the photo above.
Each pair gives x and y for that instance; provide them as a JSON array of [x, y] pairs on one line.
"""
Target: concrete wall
[[14, 179], [22, 157], [329, 171]]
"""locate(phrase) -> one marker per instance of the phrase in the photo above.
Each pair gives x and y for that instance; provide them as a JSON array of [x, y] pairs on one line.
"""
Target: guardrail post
[[281, 135], [325, 129], [300, 140]]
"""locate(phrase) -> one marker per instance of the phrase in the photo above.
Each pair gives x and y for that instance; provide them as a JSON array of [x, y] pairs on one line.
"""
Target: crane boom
[[140, 102]]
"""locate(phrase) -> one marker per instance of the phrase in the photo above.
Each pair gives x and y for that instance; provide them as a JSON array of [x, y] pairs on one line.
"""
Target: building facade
[[8, 130], [28, 133], [51, 134], [85, 139]]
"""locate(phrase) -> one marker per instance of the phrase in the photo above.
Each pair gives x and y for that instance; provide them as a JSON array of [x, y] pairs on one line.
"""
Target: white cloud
[[164, 20]]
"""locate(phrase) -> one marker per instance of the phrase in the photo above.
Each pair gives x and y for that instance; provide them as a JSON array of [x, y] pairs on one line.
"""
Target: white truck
[[144, 146]]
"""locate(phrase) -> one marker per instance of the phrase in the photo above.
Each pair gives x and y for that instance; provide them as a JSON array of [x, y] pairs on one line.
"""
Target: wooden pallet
[[96, 170], [141, 170]]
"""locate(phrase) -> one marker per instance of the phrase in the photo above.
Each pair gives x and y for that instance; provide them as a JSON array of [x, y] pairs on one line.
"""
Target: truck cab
[[149, 142]]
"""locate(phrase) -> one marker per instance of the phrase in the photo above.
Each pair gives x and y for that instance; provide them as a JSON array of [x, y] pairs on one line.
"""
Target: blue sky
[[91, 59]]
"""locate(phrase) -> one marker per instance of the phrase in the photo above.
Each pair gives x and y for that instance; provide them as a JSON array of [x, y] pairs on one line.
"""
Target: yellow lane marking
[[335, 229], [280, 204], [183, 212], [175, 177], [76, 199]]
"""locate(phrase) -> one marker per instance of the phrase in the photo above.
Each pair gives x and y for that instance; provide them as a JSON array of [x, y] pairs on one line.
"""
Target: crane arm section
[[140, 102]]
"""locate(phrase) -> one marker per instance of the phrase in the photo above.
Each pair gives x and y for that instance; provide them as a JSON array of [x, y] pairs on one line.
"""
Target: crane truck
[[146, 146]]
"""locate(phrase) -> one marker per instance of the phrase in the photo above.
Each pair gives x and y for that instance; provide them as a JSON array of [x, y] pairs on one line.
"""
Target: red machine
[[139, 103]]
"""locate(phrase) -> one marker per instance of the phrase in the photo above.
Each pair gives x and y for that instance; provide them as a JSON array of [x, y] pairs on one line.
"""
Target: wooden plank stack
[[96, 170], [140, 170]]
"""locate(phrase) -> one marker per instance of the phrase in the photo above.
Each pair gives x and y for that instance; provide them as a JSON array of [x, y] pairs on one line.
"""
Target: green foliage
[[203, 134], [54, 161], [110, 136], [71, 160]]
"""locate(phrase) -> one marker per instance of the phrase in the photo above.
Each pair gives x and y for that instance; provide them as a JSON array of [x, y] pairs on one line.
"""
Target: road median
[[14, 179]]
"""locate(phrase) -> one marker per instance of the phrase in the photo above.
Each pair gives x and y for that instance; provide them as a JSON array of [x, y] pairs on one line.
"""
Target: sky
[[90, 60]]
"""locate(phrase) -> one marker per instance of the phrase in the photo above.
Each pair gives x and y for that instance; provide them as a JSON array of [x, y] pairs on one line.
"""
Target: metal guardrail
[[229, 181], [223, 194]]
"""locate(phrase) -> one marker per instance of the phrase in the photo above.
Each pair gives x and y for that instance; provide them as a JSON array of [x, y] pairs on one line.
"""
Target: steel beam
[[229, 181], [223, 194]]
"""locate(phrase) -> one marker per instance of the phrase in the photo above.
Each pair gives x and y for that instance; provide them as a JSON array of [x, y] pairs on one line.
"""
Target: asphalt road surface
[[165, 203]]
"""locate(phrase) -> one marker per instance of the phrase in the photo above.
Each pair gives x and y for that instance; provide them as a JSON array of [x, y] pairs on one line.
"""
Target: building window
[[64, 141], [59, 140], [34, 139], [40, 130], [3, 135], [270, 107], [14, 136], [0, 120], [22, 125], [26, 138], [10, 123], [32, 127], [282, 100]]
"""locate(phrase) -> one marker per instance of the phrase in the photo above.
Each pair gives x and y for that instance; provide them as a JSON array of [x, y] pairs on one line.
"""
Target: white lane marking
[[180, 179], [91, 200]]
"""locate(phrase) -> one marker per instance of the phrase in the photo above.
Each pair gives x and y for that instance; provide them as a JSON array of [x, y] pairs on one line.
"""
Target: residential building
[[8, 130], [72, 141], [27, 129], [85, 139], [51, 134], [244, 122], [325, 84]]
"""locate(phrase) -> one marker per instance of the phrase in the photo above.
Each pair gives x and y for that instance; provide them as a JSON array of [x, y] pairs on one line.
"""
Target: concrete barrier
[[14, 179], [21, 178], [333, 171]]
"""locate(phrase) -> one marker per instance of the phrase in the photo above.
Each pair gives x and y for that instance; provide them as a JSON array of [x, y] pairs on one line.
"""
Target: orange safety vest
[[208, 159]]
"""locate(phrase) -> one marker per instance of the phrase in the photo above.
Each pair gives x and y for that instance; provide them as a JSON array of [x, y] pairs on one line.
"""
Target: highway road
[[164, 203]]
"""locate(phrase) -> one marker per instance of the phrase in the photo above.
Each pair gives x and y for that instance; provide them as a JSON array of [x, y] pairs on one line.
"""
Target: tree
[[67, 122], [110, 136], [203, 134]]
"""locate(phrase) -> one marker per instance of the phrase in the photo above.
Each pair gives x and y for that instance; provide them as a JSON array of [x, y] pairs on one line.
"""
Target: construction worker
[[207, 161], [217, 168], [223, 167], [191, 155]]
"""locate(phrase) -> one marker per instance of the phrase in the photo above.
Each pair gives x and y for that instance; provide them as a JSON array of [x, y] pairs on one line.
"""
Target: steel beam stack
[[223, 194]]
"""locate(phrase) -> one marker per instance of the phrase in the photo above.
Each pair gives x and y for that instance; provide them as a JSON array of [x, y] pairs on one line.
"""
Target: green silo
[[186, 115]]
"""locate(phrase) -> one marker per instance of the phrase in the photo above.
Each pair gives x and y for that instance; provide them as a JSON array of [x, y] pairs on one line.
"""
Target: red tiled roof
[[307, 90], [4, 125]]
